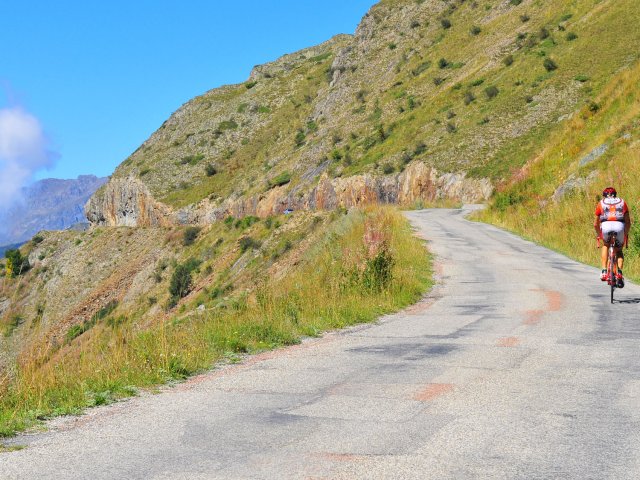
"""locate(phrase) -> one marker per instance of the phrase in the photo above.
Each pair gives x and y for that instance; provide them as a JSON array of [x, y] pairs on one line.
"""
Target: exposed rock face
[[49, 204], [125, 202]]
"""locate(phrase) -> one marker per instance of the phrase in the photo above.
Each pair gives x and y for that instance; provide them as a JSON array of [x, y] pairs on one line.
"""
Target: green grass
[[365, 264], [525, 205]]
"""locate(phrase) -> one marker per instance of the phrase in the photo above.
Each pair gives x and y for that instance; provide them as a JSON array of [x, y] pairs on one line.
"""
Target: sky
[[84, 82]]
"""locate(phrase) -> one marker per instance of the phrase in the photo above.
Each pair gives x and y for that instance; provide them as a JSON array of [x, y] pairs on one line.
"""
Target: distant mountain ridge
[[49, 204]]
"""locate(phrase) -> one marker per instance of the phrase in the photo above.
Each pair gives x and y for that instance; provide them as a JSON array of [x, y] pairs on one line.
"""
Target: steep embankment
[[459, 92], [552, 199], [85, 333]]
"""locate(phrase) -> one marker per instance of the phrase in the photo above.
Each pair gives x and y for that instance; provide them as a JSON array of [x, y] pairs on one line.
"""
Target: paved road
[[515, 366]]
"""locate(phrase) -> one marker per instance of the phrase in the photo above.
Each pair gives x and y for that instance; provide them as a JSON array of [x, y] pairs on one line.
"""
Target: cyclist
[[612, 215]]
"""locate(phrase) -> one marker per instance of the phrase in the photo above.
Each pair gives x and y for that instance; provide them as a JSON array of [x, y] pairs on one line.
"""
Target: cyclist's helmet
[[609, 192]]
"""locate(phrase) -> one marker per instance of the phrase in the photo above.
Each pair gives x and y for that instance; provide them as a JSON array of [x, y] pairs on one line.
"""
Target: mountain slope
[[552, 199], [461, 87]]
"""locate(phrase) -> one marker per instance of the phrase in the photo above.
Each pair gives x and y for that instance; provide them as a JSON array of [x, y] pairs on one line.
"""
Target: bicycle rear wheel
[[611, 271]]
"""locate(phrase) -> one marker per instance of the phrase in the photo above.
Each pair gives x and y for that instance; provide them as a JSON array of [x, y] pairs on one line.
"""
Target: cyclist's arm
[[627, 223], [596, 225]]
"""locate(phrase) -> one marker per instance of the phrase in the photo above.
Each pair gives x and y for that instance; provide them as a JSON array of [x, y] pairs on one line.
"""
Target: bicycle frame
[[612, 264]]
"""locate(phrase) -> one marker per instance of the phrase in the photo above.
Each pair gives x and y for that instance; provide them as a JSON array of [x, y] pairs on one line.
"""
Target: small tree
[[180, 282], [16, 264]]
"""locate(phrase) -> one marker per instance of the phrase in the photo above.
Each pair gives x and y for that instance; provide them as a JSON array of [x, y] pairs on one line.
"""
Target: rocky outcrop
[[418, 183], [126, 202]]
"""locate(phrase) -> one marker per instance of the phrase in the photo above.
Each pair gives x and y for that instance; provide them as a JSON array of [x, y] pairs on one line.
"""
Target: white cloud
[[24, 149]]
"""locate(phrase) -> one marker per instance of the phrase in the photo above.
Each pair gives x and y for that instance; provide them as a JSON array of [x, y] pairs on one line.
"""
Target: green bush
[[475, 30], [508, 60], [228, 125], [446, 23], [210, 169], [549, 65], [515, 2], [443, 63], [421, 68], [181, 280], [248, 243], [469, 97], [491, 92], [250, 85], [378, 272], [571, 36], [282, 179], [37, 239], [189, 235], [524, 18], [246, 222]]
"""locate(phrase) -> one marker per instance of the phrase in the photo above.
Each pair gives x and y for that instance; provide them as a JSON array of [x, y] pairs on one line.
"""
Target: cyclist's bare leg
[[604, 256], [620, 258]]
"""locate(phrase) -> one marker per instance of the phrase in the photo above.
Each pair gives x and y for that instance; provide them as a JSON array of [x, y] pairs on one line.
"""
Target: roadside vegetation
[[552, 199], [362, 264]]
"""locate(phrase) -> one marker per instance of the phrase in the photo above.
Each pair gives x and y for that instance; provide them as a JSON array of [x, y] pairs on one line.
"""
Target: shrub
[[543, 34], [469, 97], [37, 239], [420, 149], [508, 60], [524, 18], [515, 2], [144, 171], [190, 159], [477, 82], [451, 114], [438, 81], [189, 236], [581, 78], [528, 99], [388, 169], [16, 264], [246, 222], [451, 128], [210, 169], [443, 63], [250, 85], [392, 46], [378, 272], [300, 138], [484, 121], [571, 36], [227, 125], [475, 30], [549, 65], [414, 24], [446, 23], [181, 280], [421, 68], [248, 243], [491, 92], [282, 179]]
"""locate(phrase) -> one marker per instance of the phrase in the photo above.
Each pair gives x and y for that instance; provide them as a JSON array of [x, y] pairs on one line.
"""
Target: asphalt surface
[[515, 366]]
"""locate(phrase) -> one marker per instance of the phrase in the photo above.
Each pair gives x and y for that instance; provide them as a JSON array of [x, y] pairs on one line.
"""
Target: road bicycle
[[612, 264]]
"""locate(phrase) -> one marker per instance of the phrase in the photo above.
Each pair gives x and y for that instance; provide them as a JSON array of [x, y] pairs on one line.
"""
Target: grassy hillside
[[294, 277], [599, 146], [462, 85]]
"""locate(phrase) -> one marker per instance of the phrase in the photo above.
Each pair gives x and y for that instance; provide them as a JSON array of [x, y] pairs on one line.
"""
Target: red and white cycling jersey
[[611, 209]]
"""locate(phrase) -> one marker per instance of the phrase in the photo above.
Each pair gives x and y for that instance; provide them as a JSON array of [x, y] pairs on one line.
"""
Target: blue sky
[[93, 79]]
